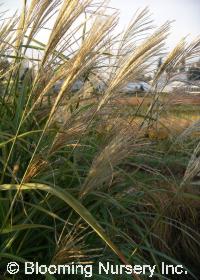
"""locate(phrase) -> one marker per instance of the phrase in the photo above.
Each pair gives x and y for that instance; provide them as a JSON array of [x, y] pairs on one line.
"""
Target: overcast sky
[[184, 12]]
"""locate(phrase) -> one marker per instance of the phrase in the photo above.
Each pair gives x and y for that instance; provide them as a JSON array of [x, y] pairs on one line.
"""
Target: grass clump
[[82, 181]]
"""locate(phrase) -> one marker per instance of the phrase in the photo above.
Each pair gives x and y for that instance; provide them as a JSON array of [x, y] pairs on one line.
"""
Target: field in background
[[178, 112]]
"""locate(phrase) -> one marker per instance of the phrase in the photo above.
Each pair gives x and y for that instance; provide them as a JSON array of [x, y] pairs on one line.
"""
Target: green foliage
[[194, 74]]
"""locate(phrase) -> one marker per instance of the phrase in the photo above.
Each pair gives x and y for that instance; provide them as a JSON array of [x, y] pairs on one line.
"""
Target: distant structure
[[88, 86], [184, 79], [136, 87]]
